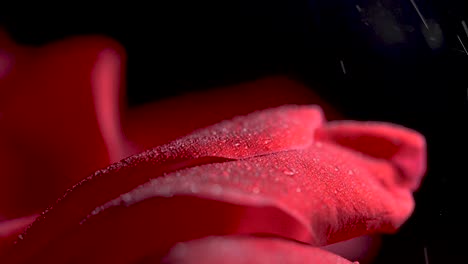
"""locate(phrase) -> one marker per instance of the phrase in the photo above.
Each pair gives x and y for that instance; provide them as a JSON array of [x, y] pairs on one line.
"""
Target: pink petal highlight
[[10, 229], [248, 250]]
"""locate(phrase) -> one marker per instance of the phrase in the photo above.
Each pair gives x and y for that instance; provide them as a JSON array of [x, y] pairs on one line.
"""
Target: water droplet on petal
[[180, 250], [337, 169], [255, 190], [350, 172], [217, 189], [289, 172], [237, 144], [298, 190], [194, 189], [126, 198]]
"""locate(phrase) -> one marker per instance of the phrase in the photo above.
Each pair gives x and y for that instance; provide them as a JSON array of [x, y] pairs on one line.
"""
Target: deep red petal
[[59, 120], [260, 133]]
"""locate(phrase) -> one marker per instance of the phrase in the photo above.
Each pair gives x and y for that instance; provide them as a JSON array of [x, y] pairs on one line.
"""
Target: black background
[[192, 45]]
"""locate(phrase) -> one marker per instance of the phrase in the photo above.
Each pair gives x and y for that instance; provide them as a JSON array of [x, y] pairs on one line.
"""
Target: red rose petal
[[246, 250], [406, 149], [257, 134], [97, 66], [318, 195], [59, 120]]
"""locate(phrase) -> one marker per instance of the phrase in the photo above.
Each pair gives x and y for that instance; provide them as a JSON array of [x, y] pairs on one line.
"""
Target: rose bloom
[[260, 172]]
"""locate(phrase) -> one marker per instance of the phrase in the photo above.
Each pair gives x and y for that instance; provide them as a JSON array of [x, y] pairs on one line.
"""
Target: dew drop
[[126, 198], [256, 190], [217, 189], [289, 172], [194, 189], [298, 190], [337, 169], [180, 250], [350, 172], [237, 144]]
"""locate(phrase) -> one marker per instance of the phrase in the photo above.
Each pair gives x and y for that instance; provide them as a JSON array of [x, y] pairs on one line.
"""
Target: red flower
[[272, 186]]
